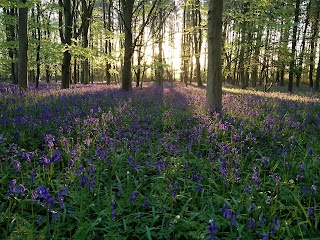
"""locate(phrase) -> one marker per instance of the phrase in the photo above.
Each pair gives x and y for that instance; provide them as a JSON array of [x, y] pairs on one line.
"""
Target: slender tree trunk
[[11, 37], [214, 84], [23, 47], [107, 22], [197, 38], [38, 45], [315, 29], [294, 44], [128, 48], [317, 82], [303, 44]]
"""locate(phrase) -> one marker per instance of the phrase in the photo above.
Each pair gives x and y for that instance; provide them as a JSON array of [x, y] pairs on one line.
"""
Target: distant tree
[[10, 18], [23, 45], [87, 8], [128, 7], [214, 82]]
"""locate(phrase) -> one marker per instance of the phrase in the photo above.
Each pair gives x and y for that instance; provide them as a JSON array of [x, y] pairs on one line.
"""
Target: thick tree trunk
[[294, 44], [66, 64], [23, 47], [128, 48], [214, 84]]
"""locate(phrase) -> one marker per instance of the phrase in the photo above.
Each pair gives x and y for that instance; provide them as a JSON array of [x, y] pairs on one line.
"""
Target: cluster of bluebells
[[42, 196], [14, 189], [88, 137]]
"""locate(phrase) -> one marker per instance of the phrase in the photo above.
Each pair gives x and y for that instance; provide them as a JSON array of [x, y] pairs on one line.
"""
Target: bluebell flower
[[310, 211], [302, 166], [199, 188], [16, 165], [264, 236], [20, 190], [146, 203], [262, 220], [251, 223], [276, 222], [212, 229], [133, 196]]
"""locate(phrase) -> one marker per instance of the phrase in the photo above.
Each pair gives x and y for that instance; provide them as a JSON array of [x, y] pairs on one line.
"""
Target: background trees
[[263, 42]]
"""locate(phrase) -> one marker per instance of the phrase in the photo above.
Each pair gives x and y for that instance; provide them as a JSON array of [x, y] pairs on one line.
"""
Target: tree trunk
[[214, 84], [11, 37], [66, 63], [294, 44], [303, 44], [107, 25], [197, 38], [23, 47], [128, 48], [86, 15], [315, 28], [38, 45], [316, 83]]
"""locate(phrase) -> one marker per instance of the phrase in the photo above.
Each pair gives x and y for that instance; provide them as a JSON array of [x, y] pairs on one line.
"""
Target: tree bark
[[315, 29], [66, 63], [294, 44], [128, 48], [23, 47], [214, 84]]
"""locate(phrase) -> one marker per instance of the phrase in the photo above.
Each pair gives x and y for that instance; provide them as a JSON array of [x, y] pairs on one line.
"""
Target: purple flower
[[91, 185], [262, 220], [304, 190], [56, 156], [39, 219], [199, 188], [71, 163], [313, 188], [16, 165], [251, 223], [265, 161], [84, 179], [133, 196], [175, 150], [130, 159], [212, 229], [44, 161], [226, 212], [146, 203], [302, 166], [276, 178], [55, 216], [49, 140], [310, 211], [264, 236], [20, 190], [276, 222]]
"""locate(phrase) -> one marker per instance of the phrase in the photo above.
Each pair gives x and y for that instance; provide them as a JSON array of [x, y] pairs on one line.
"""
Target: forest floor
[[95, 162]]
